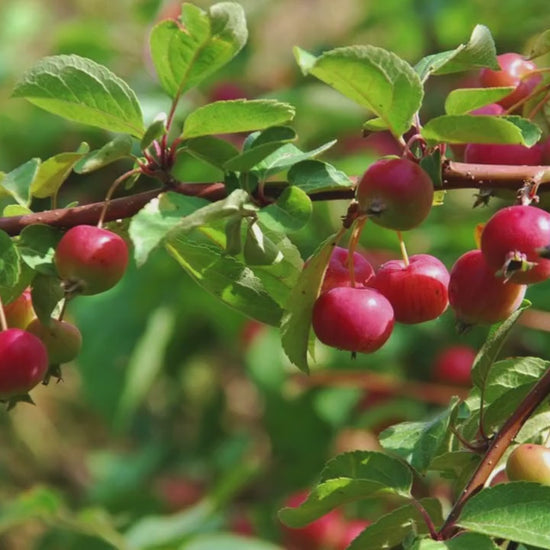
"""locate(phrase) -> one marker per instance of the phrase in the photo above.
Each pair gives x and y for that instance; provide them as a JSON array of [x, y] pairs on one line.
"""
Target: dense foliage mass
[[214, 211]]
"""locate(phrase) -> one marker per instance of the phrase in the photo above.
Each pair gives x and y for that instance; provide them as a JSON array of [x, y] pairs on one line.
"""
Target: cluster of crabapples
[[89, 260]]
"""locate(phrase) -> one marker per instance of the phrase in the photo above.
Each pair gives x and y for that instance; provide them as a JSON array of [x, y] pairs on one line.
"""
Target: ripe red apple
[[498, 153], [23, 362], [418, 291], [529, 462], [510, 241], [454, 365], [90, 259], [322, 533], [514, 72], [477, 296], [337, 273], [19, 312], [353, 319], [395, 193], [351, 530], [62, 339]]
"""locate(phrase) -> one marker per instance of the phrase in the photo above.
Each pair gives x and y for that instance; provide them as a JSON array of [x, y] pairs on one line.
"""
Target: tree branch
[[455, 175]]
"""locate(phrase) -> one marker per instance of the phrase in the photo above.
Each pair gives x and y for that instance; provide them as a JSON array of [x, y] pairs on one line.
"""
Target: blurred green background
[[181, 417]]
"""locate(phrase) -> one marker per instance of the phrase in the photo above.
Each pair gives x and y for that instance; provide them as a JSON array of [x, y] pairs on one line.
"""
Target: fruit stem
[[3, 320], [111, 190], [354, 240], [497, 447], [63, 309], [403, 248], [427, 520]]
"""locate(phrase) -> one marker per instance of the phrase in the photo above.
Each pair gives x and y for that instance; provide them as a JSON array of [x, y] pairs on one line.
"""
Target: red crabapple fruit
[[19, 312], [501, 153], [511, 241], [453, 365], [514, 72], [353, 319], [395, 193], [477, 296], [23, 363], [90, 259], [338, 274], [418, 291]]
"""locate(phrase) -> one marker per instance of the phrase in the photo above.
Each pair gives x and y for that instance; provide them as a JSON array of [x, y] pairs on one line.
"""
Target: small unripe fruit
[[396, 193], [19, 312], [529, 462], [513, 72], [353, 319], [477, 296], [418, 291], [90, 259], [62, 340], [23, 362], [511, 240]]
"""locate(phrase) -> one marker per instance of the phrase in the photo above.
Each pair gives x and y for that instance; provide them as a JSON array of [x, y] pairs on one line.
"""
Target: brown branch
[[455, 175], [428, 392], [496, 450]]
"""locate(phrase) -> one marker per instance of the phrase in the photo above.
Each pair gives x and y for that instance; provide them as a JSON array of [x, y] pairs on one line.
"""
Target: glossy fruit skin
[[453, 365], [497, 153], [396, 193], [513, 67], [23, 362], [337, 273], [19, 312], [91, 258], [353, 319], [417, 292], [529, 462], [322, 533], [518, 228], [62, 339], [477, 296]]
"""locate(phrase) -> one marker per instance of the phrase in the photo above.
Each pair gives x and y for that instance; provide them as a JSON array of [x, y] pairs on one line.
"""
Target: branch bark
[[455, 175]]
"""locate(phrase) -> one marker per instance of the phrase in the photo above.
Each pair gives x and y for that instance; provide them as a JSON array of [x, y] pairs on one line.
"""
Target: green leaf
[[463, 541], [151, 224], [10, 267], [541, 45], [518, 511], [287, 156], [12, 291], [258, 146], [225, 277], [118, 148], [419, 442], [37, 244], [478, 52], [314, 175], [228, 541], [453, 464], [18, 182], [290, 212], [186, 53], [296, 321], [214, 150], [481, 129], [372, 77], [154, 131], [52, 173], [492, 346], [392, 529], [259, 249], [465, 100], [349, 477], [145, 363], [239, 115], [46, 293], [83, 91]]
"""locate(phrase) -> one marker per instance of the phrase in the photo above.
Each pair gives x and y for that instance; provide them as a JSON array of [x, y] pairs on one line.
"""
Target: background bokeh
[[181, 416]]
